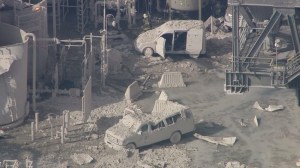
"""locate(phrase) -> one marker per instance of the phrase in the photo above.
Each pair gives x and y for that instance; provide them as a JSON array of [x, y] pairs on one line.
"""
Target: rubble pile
[[167, 157]]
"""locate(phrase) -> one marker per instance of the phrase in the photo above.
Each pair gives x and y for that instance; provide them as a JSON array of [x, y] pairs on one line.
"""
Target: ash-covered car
[[173, 37], [138, 129]]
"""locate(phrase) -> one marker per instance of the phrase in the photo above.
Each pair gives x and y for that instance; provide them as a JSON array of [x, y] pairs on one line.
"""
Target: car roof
[[151, 35]]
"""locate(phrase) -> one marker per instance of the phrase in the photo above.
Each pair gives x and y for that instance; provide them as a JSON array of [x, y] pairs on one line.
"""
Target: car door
[[195, 42], [160, 46]]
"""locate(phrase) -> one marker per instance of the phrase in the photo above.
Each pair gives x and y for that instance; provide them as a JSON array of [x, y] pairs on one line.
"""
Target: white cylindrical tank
[[13, 75], [186, 5]]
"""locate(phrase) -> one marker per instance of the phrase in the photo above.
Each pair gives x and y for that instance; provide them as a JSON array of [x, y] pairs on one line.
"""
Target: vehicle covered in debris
[[173, 37], [138, 129]]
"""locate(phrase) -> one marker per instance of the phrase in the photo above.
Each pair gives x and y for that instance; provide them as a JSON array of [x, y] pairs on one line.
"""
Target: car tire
[[148, 52], [175, 137], [195, 56], [130, 146]]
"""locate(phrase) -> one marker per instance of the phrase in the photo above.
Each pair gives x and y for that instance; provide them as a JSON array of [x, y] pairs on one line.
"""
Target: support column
[[235, 38], [200, 9]]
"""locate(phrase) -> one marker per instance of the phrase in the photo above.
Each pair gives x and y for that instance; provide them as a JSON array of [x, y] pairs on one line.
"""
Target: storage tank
[[185, 5], [13, 75]]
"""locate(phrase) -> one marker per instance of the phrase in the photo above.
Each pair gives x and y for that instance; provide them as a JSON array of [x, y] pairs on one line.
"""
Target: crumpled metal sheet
[[5, 62]]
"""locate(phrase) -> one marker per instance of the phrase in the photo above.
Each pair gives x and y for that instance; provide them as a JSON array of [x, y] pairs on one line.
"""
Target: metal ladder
[[82, 12]]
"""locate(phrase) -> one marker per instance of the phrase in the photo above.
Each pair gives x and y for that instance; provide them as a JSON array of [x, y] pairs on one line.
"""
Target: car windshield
[[131, 123]]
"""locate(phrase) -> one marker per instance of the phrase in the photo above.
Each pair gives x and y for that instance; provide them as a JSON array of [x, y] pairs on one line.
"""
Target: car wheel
[[130, 146], [194, 56], [148, 52], [175, 137]]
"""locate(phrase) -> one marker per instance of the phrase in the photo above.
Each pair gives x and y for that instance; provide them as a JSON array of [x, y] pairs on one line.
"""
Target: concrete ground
[[274, 144]]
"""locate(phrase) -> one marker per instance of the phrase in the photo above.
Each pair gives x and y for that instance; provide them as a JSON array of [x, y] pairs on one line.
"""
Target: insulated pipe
[[33, 71]]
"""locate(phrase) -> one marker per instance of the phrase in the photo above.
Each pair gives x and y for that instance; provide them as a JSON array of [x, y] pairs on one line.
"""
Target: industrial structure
[[265, 48]]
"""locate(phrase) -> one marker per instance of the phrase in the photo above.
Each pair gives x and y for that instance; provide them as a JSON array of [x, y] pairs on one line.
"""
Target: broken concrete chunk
[[133, 91], [243, 124], [298, 163], [163, 96], [226, 141], [235, 164], [255, 121], [171, 79], [82, 158], [272, 108], [257, 106]]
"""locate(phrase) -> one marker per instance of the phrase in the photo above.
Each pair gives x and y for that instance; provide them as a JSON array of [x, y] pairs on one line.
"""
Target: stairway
[[82, 15], [292, 69]]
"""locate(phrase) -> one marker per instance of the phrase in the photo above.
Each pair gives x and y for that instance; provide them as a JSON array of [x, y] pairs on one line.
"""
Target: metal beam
[[235, 39], [256, 47], [247, 16], [273, 3], [294, 33]]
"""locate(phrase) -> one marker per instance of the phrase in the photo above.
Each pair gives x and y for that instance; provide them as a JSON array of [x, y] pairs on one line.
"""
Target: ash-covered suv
[[138, 129]]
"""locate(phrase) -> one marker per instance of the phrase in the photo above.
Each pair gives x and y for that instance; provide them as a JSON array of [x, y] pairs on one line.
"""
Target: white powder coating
[[82, 158], [163, 109], [168, 26], [5, 62], [171, 79], [163, 96], [13, 74]]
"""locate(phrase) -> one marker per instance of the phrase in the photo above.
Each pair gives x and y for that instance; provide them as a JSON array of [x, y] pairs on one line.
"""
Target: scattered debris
[[133, 91], [226, 141], [255, 121], [272, 108], [94, 136], [243, 124], [82, 158], [298, 163], [235, 164], [257, 106], [2, 133], [171, 79]]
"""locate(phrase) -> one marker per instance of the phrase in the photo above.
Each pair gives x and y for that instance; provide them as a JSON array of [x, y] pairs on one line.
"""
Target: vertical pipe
[[33, 71], [36, 122], [133, 13], [54, 18], [118, 15], [32, 131], [62, 131], [200, 9]]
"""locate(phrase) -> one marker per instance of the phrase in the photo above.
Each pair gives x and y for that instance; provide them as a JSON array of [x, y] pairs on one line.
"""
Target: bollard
[[62, 130], [36, 122], [67, 119], [32, 131], [51, 133]]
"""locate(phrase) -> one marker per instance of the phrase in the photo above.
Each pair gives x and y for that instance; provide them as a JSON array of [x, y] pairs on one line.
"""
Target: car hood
[[120, 131], [146, 37]]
